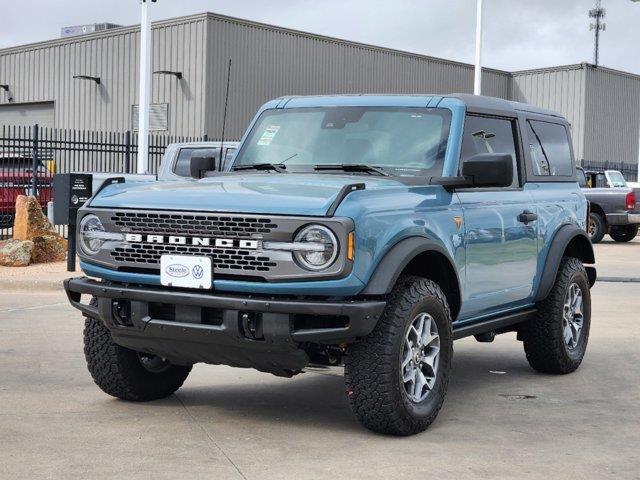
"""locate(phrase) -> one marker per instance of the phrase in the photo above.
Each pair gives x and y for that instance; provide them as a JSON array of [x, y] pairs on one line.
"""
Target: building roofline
[[216, 16], [101, 34], [575, 66], [343, 41], [251, 23]]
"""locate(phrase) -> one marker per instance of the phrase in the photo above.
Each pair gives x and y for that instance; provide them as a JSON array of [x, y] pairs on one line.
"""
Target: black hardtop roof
[[480, 102], [474, 103]]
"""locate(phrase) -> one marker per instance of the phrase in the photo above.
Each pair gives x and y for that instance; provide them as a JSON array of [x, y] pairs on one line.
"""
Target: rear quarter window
[[550, 149]]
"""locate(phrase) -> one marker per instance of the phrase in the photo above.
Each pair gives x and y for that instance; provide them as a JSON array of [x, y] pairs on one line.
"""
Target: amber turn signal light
[[351, 245]]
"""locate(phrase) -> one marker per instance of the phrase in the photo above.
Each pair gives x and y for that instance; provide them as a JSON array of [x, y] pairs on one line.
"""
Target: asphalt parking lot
[[500, 419]]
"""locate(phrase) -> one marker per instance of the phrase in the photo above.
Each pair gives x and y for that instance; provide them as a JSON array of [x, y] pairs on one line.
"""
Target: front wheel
[[397, 377], [555, 340], [125, 373], [623, 233]]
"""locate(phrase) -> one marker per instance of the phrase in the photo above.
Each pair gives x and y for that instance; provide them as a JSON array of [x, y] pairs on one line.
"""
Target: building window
[[550, 150], [158, 117]]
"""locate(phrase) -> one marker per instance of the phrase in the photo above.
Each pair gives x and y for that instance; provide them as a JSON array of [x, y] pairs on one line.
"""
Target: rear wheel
[[555, 341], [597, 227], [623, 233], [397, 377], [125, 373]]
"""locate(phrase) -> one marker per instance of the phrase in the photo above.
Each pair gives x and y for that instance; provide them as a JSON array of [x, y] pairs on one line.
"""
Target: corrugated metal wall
[[612, 116], [603, 106], [269, 62], [559, 90], [44, 72]]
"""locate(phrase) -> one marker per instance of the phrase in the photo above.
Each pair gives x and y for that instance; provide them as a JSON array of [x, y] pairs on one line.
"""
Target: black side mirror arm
[[451, 183]]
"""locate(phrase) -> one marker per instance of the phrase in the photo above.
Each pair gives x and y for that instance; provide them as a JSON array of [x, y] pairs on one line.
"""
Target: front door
[[500, 227]]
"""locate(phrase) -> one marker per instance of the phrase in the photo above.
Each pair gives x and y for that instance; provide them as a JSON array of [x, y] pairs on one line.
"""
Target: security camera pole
[[145, 81], [477, 83]]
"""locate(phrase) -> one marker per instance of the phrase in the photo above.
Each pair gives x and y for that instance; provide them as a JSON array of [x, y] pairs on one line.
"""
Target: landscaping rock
[[49, 248], [31, 224], [29, 220], [15, 253]]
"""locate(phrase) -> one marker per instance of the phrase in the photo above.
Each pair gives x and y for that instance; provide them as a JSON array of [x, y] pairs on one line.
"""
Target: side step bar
[[493, 324]]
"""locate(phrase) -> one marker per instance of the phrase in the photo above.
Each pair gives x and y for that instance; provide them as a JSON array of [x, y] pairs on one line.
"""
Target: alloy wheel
[[420, 357], [572, 316]]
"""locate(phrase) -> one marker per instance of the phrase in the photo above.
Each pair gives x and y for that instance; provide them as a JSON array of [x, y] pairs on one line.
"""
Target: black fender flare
[[397, 258], [561, 240]]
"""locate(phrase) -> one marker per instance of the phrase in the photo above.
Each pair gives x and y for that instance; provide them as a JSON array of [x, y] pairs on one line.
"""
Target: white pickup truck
[[181, 161]]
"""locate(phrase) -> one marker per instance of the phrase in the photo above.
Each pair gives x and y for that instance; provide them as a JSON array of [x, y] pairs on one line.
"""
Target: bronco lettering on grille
[[197, 241]]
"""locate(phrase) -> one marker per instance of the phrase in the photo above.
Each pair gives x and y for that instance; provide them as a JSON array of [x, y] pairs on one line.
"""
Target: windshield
[[401, 141], [615, 178]]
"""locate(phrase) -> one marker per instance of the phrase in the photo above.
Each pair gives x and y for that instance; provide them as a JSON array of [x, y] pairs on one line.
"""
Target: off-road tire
[[119, 372], [544, 344], [597, 227], [373, 374], [623, 233]]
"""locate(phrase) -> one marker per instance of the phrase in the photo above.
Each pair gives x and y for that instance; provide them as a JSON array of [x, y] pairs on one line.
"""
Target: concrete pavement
[[500, 420]]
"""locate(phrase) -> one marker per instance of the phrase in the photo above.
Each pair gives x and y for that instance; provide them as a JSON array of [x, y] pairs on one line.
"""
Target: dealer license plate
[[186, 271]]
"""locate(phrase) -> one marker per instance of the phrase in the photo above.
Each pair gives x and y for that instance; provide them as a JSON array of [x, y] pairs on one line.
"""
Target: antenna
[[224, 116], [598, 13]]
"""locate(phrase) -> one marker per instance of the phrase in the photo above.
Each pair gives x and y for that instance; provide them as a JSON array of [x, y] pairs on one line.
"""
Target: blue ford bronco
[[361, 231]]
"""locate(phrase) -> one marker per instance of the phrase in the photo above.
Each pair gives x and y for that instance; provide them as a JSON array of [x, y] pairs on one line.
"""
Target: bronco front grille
[[223, 258], [192, 224]]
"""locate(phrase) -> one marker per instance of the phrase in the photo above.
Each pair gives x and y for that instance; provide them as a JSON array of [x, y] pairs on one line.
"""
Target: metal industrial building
[[603, 105]]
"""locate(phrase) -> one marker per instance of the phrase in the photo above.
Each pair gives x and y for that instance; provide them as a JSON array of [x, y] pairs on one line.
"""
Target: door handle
[[527, 216]]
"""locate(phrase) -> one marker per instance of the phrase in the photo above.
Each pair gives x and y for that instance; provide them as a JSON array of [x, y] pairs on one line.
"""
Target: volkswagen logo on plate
[[198, 272]]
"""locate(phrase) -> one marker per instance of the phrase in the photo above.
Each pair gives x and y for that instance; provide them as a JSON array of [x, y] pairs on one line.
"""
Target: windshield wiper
[[277, 167], [346, 167]]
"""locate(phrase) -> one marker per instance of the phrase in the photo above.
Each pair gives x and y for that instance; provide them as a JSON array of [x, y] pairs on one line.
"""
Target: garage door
[[27, 114]]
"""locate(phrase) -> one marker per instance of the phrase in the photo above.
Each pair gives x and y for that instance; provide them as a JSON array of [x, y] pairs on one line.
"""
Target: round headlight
[[319, 247], [90, 239]]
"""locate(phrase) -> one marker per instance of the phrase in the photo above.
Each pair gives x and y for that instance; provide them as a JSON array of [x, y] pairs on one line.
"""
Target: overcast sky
[[519, 34]]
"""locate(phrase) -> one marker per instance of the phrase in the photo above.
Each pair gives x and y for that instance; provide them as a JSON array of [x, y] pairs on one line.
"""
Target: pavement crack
[[208, 435], [619, 279], [35, 307]]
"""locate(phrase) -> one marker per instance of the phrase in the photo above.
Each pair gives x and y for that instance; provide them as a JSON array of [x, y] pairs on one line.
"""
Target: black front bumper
[[245, 331]]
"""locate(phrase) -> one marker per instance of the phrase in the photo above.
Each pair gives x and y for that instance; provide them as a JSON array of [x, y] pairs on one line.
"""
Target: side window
[[582, 178], [182, 163], [550, 150], [490, 135]]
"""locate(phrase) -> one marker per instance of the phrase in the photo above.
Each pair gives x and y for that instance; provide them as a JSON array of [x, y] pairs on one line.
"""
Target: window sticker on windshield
[[268, 135]]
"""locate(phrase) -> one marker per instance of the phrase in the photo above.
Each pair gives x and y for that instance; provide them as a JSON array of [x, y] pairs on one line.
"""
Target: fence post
[[34, 157], [127, 151]]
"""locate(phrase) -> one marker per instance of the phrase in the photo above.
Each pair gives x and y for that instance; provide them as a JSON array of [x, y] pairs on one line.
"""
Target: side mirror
[[482, 170], [489, 170], [198, 164]]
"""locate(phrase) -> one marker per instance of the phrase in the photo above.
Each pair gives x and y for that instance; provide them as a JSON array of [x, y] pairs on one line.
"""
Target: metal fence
[[628, 170], [30, 156]]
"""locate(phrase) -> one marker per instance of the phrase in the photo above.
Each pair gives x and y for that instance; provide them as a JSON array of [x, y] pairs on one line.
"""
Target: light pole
[[145, 81], [477, 82], [638, 176]]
